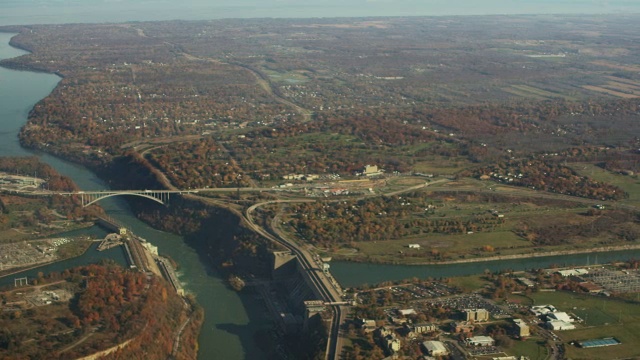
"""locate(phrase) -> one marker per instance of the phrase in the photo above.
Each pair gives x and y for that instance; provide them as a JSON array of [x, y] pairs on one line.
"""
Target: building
[[481, 341], [384, 331], [476, 315], [573, 272], [414, 246], [406, 312], [423, 328], [435, 348], [560, 315], [543, 309], [371, 170], [387, 338], [590, 287], [559, 325], [521, 328], [368, 325], [526, 282], [392, 343], [462, 327]]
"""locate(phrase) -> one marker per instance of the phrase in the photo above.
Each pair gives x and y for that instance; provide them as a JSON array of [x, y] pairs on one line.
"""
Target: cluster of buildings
[[300, 177], [388, 339], [555, 320]]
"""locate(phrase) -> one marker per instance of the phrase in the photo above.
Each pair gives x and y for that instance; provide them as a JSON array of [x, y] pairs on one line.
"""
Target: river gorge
[[231, 319]]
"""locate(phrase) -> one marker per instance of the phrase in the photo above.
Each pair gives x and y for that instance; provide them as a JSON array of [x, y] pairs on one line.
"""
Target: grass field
[[440, 165], [532, 348], [604, 317], [453, 245], [629, 184], [469, 283]]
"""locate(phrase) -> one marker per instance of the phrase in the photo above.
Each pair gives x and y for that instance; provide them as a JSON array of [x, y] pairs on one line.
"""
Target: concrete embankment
[[539, 254]]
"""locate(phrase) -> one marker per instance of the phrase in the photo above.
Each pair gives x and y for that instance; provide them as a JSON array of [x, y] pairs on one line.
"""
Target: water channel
[[230, 319]]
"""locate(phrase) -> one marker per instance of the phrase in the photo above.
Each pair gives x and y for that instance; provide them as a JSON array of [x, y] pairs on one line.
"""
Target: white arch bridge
[[159, 196]]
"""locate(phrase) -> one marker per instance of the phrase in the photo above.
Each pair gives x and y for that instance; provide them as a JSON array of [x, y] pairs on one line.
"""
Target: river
[[230, 320], [353, 274]]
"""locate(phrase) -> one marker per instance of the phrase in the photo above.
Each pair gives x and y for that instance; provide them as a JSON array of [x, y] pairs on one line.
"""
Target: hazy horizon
[[15, 12]]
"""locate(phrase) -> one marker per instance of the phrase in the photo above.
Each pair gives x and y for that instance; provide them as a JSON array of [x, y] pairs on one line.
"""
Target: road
[[323, 285]]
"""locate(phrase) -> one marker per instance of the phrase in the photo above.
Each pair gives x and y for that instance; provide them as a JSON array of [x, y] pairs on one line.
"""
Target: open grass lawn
[[469, 283], [628, 183], [453, 245], [11, 235], [605, 318], [441, 165], [532, 348]]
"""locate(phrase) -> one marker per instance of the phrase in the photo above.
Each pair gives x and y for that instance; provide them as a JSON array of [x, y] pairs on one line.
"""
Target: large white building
[[435, 348], [560, 325], [560, 315], [481, 341], [543, 309]]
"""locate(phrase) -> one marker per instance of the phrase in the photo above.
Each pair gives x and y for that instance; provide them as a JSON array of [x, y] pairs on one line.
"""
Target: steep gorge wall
[[216, 232]]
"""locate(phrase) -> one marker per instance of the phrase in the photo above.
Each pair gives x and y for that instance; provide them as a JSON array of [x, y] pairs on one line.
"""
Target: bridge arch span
[[88, 201]]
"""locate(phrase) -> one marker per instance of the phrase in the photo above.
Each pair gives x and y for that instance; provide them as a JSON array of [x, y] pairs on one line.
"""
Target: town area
[[579, 312]]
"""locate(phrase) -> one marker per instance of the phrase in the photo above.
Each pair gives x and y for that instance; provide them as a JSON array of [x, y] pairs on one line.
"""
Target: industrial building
[[481, 341], [435, 348], [572, 272], [559, 325], [560, 315]]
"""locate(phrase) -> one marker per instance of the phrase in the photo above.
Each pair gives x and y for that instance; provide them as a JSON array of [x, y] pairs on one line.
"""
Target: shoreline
[[31, 267], [603, 249]]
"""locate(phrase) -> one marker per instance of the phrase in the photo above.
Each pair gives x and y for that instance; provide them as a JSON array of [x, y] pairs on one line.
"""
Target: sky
[[94, 11]]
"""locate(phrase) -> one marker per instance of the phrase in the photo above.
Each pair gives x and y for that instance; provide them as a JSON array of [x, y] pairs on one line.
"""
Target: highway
[[322, 284]]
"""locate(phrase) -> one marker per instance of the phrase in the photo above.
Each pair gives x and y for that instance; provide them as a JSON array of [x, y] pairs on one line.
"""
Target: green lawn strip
[[451, 244], [533, 348], [469, 283]]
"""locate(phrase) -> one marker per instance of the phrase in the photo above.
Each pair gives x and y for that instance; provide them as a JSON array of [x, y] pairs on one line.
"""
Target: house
[[435, 348], [480, 341]]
